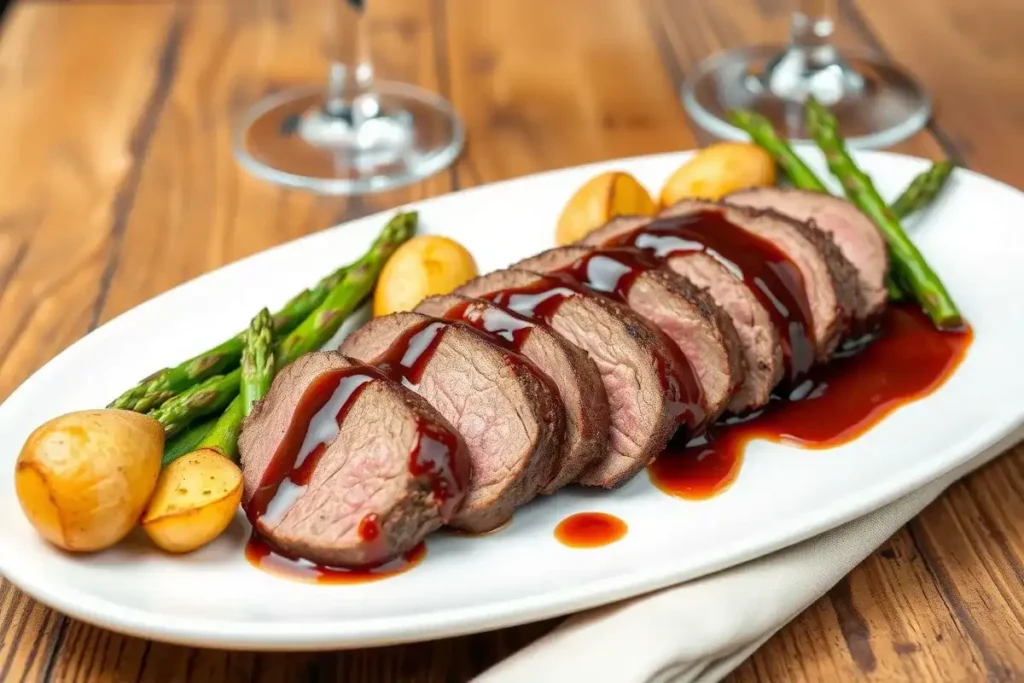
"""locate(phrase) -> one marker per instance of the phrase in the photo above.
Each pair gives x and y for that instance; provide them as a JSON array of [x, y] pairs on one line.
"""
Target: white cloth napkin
[[699, 631]]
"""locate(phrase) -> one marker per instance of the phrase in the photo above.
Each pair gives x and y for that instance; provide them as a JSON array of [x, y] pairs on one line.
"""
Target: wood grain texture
[[120, 183]]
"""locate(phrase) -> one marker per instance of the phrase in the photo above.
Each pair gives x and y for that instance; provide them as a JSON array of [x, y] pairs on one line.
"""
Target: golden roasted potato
[[84, 478], [195, 500], [717, 170], [598, 201], [423, 266]]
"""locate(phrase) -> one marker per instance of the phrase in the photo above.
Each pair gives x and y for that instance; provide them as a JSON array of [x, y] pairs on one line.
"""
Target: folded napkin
[[701, 630]]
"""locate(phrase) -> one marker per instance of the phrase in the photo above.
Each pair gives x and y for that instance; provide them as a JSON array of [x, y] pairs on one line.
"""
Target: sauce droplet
[[369, 527], [590, 530]]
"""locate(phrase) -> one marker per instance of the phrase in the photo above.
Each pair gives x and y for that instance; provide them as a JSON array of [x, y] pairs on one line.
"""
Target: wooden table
[[118, 182]]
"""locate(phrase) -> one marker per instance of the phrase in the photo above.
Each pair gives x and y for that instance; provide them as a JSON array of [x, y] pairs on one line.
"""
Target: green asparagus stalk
[[257, 372], [923, 190], [186, 441], [763, 134], [208, 397], [151, 392], [257, 360], [908, 263], [219, 392], [223, 436], [323, 323]]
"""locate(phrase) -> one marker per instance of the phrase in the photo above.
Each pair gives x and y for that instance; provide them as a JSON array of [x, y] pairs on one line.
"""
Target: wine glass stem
[[350, 78], [813, 24]]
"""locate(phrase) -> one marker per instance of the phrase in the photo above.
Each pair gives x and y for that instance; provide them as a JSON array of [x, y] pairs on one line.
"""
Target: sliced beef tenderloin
[[506, 409], [758, 338], [852, 230], [570, 368], [830, 281], [685, 314], [352, 491], [649, 392]]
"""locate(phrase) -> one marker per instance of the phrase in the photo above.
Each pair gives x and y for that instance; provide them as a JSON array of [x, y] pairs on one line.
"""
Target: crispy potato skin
[[424, 266], [717, 170], [83, 479], [598, 201]]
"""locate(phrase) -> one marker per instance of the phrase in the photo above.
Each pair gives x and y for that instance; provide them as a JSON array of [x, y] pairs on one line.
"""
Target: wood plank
[[544, 85], [968, 56], [940, 601], [67, 167]]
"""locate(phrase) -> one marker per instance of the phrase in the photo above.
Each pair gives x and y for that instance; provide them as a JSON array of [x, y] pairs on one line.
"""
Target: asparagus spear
[[208, 397], [317, 329], [219, 392], [257, 361], [257, 371], [151, 392], [223, 436], [761, 132], [923, 190], [908, 263]]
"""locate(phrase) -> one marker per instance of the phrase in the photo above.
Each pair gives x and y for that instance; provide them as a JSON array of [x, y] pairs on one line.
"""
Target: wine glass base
[[289, 138], [876, 103]]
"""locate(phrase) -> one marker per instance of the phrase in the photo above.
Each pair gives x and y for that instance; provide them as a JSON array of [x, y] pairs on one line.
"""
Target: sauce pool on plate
[[590, 530], [261, 555], [836, 403]]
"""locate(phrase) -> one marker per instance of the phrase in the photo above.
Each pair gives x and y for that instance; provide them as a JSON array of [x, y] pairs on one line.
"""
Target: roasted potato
[[717, 170], [84, 478], [423, 266], [598, 201], [195, 500]]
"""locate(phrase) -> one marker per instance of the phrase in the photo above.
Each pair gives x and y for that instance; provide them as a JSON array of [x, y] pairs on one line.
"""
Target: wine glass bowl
[[291, 139], [876, 103], [355, 134]]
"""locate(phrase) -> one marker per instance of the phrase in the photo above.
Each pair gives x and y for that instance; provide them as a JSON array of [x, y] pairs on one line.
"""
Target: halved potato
[[717, 170], [598, 201], [195, 499]]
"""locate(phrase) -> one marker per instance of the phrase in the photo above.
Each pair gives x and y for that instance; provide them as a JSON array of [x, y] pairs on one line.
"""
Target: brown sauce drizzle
[[611, 271], [510, 328], [504, 328], [769, 273], [833, 405], [410, 352], [590, 530], [540, 300], [432, 457], [289, 468]]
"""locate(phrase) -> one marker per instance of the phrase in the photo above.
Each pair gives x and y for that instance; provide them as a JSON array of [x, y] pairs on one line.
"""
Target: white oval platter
[[215, 598]]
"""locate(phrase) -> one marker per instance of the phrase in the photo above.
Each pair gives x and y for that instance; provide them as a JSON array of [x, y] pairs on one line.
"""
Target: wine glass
[[356, 135], [877, 103]]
